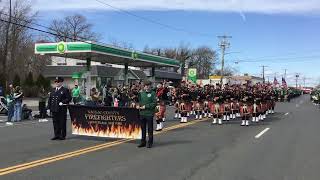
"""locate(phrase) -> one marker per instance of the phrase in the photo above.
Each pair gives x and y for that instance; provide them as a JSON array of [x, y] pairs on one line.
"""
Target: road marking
[[79, 152], [286, 114], [261, 133]]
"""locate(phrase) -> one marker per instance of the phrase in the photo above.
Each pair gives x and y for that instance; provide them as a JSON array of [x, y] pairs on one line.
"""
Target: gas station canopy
[[103, 53]]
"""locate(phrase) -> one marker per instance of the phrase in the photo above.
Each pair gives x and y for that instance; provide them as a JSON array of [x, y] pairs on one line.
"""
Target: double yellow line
[[79, 152]]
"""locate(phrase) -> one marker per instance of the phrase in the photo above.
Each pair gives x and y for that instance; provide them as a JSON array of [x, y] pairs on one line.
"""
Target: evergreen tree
[[16, 80], [28, 82]]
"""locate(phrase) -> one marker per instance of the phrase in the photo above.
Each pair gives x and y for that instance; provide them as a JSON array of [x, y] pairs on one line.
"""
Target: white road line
[[261, 133], [286, 114]]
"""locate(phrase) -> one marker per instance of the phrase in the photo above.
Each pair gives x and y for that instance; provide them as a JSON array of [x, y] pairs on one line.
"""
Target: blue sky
[[281, 34]]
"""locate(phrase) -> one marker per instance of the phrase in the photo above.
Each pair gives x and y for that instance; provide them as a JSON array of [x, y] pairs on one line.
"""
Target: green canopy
[[103, 53]]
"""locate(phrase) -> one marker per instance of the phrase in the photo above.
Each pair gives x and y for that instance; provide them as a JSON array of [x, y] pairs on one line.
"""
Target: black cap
[[59, 79]]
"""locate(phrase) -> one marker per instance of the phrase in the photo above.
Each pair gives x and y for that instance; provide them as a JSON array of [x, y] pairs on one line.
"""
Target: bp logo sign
[[134, 55], [192, 72], [62, 47], [192, 75]]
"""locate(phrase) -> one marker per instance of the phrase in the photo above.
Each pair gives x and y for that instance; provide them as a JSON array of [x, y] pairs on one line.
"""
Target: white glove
[[60, 104]]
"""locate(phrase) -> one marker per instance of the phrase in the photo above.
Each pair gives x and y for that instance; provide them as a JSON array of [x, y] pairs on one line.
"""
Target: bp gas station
[[90, 51]]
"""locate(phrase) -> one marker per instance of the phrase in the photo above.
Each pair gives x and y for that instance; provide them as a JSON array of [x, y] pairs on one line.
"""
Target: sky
[[280, 34]]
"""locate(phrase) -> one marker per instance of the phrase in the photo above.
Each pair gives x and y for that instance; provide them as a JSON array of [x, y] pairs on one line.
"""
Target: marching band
[[251, 103]]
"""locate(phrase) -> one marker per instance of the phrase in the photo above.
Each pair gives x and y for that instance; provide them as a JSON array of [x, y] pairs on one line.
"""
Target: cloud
[[239, 6]]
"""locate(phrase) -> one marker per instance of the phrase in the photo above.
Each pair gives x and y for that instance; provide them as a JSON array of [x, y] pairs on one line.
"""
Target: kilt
[[246, 110]]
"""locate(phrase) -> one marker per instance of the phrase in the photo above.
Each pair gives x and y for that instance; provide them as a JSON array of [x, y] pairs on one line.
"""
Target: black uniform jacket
[[62, 95]]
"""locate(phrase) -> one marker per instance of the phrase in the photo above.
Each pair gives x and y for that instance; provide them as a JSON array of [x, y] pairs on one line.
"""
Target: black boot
[[149, 145], [55, 138], [142, 145]]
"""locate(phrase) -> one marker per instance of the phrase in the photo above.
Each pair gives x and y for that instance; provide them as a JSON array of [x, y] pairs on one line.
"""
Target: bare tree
[[73, 28], [146, 49], [121, 44], [203, 59], [228, 71], [170, 53], [20, 45], [184, 53]]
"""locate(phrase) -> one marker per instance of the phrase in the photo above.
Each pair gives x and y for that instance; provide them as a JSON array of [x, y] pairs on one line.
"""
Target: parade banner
[[192, 75], [112, 122]]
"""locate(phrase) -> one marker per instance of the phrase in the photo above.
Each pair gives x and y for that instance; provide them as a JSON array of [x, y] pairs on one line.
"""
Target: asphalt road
[[284, 147]]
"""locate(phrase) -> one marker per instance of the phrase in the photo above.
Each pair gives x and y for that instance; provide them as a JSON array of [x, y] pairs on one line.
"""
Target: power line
[[277, 56], [43, 31], [49, 28], [79, 38], [153, 21], [278, 59]]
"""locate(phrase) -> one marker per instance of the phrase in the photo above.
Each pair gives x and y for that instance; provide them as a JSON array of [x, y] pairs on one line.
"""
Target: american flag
[[284, 83]]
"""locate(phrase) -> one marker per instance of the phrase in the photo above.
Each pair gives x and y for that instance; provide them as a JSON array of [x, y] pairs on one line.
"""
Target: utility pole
[[4, 65], [224, 43], [285, 73], [304, 82], [263, 70], [297, 76]]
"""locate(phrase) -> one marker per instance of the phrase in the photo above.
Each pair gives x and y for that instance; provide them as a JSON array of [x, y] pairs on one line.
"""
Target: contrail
[[239, 5], [243, 16]]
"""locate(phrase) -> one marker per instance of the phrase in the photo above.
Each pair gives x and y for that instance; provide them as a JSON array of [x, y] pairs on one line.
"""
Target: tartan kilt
[[258, 109], [217, 109], [161, 109], [226, 108], [206, 105], [263, 107], [183, 107], [248, 112], [198, 106]]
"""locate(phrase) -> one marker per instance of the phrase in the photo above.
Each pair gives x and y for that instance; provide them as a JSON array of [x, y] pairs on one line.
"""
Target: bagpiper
[[161, 94], [217, 108], [245, 108], [183, 105], [207, 103], [199, 103]]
